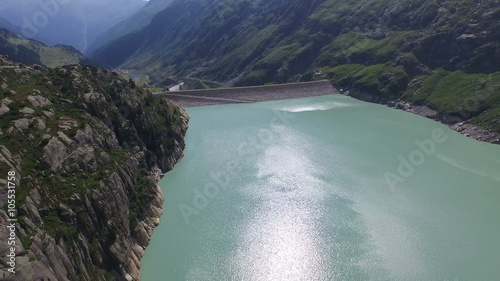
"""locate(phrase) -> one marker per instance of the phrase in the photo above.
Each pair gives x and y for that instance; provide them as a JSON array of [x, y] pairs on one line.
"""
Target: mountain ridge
[[74, 23], [29, 51], [387, 49], [134, 22]]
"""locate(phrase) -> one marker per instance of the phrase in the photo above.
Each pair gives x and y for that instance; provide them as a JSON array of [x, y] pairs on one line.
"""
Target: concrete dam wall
[[191, 98]]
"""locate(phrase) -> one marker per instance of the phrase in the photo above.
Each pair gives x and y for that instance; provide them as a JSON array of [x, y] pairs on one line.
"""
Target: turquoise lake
[[327, 188]]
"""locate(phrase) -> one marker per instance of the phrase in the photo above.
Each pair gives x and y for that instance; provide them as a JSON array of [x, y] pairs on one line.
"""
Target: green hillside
[[34, 52], [415, 50]]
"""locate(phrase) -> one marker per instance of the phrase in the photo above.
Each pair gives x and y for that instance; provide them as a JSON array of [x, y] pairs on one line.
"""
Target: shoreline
[[251, 94], [155, 210], [463, 126]]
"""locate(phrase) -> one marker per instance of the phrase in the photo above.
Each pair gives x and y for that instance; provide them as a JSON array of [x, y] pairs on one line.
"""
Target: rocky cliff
[[87, 148]]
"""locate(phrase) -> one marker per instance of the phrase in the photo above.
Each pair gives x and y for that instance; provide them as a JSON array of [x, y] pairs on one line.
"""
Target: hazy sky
[[69, 22]]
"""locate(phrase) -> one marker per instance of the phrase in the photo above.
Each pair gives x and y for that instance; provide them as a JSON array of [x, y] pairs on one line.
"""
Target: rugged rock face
[[87, 148]]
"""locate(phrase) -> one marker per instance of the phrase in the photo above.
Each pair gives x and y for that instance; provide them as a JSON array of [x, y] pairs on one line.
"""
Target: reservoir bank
[[219, 96]]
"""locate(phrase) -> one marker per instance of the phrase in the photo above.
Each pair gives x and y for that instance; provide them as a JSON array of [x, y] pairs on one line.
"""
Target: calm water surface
[[327, 188]]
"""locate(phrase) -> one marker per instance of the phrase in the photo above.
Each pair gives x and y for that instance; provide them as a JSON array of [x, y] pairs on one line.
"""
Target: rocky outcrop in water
[[87, 148]]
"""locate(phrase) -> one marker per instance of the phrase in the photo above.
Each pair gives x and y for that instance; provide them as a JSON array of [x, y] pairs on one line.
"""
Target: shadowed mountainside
[[135, 22], [73, 23], [29, 51], [444, 55]]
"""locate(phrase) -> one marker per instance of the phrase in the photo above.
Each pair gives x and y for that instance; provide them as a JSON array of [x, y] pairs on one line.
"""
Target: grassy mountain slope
[[34, 52], [415, 50], [135, 22]]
